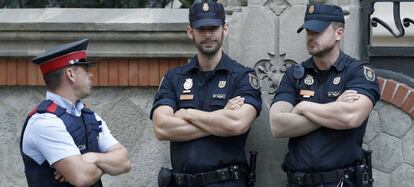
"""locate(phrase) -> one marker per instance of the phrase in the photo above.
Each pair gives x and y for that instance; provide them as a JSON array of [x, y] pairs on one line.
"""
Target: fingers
[[234, 103], [59, 177], [348, 96]]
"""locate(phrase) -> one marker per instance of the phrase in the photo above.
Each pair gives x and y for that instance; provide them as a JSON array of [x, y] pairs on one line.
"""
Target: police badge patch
[[254, 82], [309, 80], [222, 84], [337, 80], [369, 73]]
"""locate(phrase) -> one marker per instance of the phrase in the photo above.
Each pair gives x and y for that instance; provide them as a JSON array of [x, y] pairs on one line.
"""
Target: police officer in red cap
[[206, 107], [64, 143], [322, 105]]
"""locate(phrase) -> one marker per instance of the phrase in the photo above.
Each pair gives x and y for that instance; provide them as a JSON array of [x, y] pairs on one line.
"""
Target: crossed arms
[[347, 112], [189, 124], [86, 169]]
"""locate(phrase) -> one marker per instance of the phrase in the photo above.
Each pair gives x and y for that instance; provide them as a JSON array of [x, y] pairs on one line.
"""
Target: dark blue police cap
[[206, 13], [63, 56], [319, 16]]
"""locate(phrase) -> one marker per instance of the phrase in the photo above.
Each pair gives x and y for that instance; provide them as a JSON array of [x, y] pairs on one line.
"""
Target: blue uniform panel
[[188, 87], [327, 149], [84, 131]]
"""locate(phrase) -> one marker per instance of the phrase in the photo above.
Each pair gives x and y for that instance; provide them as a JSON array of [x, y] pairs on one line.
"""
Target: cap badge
[[309, 80], [205, 7], [311, 9]]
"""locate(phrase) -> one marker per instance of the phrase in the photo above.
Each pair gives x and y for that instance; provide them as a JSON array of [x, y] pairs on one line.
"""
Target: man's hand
[[181, 113], [348, 96], [234, 103], [87, 157], [300, 107], [60, 177], [90, 157]]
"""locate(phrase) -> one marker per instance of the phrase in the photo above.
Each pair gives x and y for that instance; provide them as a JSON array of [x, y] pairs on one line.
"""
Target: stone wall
[[389, 134], [262, 35], [126, 112]]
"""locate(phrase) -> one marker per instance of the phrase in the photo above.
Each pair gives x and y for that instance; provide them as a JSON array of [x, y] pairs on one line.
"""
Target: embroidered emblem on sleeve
[[369, 73], [254, 82]]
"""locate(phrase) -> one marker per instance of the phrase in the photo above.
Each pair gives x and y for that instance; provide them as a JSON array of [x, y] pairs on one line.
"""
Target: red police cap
[[63, 56]]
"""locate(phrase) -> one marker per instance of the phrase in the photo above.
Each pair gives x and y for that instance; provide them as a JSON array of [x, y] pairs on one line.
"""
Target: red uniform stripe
[[52, 108], [62, 61]]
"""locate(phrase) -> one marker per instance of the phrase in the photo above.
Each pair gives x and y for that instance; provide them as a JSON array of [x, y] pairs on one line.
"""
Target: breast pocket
[[186, 104], [216, 104]]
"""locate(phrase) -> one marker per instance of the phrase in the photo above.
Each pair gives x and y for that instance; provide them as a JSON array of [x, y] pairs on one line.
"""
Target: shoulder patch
[[254, 81], [369, 73]]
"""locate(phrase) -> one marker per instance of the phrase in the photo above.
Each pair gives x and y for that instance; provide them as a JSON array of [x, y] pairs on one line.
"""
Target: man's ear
[[190, 32], [339, 34], [70, 74], [225, 29]]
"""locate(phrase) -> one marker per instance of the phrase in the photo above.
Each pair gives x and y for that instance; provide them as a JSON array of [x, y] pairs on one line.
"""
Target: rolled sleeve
[[286, 90], [165, 94], [250, 94], [360, 83]]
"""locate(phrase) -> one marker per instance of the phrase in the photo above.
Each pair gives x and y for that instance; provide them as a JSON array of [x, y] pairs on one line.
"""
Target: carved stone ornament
[[270, 72]]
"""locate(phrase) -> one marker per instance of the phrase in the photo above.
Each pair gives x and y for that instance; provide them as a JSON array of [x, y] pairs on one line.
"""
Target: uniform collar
[[338, 65], [222, 65], [74, 109]]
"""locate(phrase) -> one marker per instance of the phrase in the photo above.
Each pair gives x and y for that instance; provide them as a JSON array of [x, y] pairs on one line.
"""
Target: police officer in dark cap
[[205, 108], [322, 105], [63, 143]]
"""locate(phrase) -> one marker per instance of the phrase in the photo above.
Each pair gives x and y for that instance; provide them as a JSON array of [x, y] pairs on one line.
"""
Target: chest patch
[[219, 96], [336, 80], [307, 93], [309, 80], [186, 97], [334, 93], [188, 84], [222, 84]]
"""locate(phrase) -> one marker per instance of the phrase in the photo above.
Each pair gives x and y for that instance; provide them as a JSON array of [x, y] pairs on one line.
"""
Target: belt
[[233, 172], [317, 178]]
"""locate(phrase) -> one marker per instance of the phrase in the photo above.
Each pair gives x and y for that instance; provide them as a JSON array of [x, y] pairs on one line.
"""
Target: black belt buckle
[[194, 180], [300, 178], [199, 179]]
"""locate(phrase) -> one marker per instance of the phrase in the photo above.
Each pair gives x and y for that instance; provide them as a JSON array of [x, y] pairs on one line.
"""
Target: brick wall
[[398, 94], [108, 72]]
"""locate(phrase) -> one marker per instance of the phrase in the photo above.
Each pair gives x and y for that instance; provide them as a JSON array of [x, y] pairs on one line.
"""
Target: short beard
[[322, 52], [210, 52]]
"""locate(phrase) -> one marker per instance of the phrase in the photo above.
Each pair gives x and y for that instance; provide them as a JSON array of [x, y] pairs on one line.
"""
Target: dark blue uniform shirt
[[327, 149], [188, 87]]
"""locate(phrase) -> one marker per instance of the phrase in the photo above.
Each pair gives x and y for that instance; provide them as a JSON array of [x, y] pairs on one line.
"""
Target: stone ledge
[[131, 32]]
